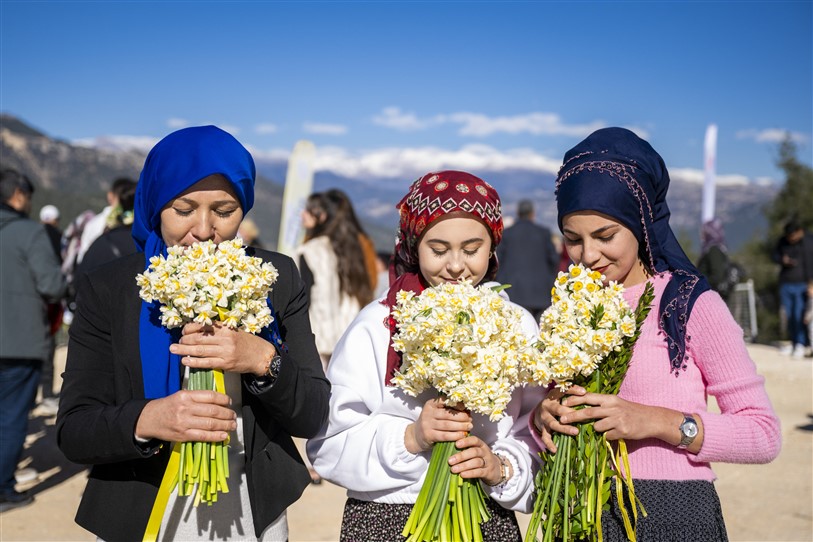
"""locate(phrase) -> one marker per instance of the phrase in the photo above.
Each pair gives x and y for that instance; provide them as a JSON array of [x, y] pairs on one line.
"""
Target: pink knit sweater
[[747, 429]]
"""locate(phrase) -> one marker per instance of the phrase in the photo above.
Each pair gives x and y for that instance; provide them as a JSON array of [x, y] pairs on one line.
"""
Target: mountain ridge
[[76, 177]]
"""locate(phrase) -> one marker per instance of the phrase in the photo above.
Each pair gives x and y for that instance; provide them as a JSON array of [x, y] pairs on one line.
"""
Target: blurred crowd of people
[[341, 269]]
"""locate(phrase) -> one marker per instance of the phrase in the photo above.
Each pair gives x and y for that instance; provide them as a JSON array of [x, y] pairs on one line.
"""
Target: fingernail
[[173, 349]]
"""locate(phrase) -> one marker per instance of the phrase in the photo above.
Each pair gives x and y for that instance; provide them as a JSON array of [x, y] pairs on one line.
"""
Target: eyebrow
[[601, 230], [214, 203], [447, 243]]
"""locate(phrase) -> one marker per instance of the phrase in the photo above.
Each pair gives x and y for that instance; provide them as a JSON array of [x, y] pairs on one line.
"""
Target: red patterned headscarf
[[430, 197]]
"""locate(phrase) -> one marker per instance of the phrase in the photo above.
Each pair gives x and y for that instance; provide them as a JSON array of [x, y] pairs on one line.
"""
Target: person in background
[[122, 404], [49, 217], [378, 439], [794, 254], [345, 211], [714, 261], [382, 263], [612, 211], [30, 278], [332, 264], [100, 222], [72, 241], [528, 261], [808, 318], [117, 241]]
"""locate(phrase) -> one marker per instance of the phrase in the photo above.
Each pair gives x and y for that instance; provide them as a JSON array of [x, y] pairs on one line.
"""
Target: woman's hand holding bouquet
[[467, 343], [215, 292], [587, 337]]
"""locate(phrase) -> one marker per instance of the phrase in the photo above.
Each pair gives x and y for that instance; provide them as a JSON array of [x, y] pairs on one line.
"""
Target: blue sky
[[400, 88]]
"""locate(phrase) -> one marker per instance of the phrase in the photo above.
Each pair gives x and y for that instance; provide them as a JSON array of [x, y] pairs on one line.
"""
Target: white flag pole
[[298, 186], [709, 193]]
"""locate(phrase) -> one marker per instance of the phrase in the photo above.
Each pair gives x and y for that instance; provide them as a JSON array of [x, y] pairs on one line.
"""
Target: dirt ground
[[763, 503]]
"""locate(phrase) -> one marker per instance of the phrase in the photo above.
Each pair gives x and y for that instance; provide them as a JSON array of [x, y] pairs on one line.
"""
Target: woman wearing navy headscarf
[[612, 211], [122, 405]]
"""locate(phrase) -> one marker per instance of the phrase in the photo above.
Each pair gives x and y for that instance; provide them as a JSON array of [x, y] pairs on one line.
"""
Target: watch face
[[689, 429]]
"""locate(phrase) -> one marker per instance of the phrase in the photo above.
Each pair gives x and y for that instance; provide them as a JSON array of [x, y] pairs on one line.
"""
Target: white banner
[[298, 186], [709, 192]]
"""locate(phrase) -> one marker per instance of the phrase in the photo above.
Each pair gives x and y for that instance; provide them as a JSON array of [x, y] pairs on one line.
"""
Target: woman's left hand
[[219, 347], [476, 460]]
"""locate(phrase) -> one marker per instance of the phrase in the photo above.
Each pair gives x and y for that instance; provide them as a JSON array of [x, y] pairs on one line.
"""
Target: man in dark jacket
[[794, 253], [528, 261], [30, 277]]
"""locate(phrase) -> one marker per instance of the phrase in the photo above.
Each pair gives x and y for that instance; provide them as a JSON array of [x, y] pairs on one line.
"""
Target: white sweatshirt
[[362, 446]]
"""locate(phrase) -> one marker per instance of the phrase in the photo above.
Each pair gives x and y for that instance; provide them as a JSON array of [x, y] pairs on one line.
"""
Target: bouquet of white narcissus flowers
[[587, 337], [207, 282], [467, 343]]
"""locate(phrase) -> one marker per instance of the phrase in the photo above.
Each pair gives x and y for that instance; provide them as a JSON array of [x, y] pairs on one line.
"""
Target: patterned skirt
[[367, 521], [677, 511]]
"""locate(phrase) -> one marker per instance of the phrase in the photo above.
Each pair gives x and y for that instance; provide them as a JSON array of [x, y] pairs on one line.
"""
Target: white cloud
[[698, 176], [391, 162], [480, 125], [176, 123], [323, 128], [536, 123], [771, 135], [266, 128], [393, 117]]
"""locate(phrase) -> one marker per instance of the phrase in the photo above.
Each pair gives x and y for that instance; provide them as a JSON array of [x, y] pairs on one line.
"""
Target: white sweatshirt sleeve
[[362, 446]]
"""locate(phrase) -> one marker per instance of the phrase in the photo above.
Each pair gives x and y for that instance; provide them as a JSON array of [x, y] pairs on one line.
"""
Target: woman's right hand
[[436, 423], [187, 416], [548, 412]]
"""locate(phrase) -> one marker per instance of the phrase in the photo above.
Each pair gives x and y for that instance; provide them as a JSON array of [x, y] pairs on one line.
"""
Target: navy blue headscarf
[[176, 163], [615, 172]]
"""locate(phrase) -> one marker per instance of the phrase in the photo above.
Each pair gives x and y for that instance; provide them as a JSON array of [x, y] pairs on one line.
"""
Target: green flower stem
[[559, 463], [448, 507], [566, 493]]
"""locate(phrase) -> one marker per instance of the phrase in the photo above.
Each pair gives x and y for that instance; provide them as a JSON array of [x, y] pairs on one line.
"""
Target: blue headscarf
[[176, 163], [615, 172]]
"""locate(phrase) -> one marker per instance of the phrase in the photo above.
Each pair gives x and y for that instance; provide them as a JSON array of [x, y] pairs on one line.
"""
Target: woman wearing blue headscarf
[[612, 211], [122, 405]]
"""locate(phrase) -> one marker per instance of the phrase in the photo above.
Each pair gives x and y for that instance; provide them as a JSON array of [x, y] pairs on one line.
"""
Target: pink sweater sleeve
[[747, 429]]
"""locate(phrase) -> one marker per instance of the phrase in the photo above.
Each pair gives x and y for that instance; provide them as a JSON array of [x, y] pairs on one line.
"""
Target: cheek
[[574, 252], [172, 229], [228, 227]]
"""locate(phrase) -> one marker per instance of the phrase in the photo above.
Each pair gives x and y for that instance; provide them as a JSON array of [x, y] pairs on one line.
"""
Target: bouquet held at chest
[[586, 338], [467, 343], [207, 283]]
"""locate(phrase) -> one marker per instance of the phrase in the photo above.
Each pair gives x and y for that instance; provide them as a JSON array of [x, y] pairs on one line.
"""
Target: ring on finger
[[484, 462]]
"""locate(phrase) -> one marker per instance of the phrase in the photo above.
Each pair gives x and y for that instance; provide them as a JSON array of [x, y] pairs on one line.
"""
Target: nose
[[455, 263], [590, 254], [203, 228]]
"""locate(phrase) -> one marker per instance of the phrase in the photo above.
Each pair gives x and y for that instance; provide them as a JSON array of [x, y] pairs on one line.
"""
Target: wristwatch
[[688, 431], [271, 373]]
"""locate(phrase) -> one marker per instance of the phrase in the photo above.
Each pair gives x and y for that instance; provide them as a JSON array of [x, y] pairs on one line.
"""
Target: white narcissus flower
[[464, 341], [573, 338], [206, 282]]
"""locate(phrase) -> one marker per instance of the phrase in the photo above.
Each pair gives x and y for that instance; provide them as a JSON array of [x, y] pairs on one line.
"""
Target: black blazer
[[529, 263], [102, 397]]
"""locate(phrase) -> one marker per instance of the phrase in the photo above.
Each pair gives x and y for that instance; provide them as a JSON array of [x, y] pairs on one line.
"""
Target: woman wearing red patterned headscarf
[[378, 439]]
